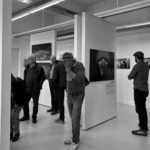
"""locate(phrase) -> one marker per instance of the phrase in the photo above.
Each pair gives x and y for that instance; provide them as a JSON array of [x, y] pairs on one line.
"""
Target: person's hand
[[68, 69]]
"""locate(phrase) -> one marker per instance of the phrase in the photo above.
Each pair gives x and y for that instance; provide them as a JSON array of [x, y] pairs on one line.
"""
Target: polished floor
[[112, 135]]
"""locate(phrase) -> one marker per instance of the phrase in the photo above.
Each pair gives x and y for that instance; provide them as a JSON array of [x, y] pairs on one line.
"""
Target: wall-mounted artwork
[[42, 51], [147, 60], [123, 63], [46, 67], [101, 65]]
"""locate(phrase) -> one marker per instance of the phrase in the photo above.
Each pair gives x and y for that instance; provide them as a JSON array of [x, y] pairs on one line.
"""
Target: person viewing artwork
[[139, 74]]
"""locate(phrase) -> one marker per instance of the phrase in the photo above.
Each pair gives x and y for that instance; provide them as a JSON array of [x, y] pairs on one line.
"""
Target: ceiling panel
[[87, 2], [132, 17], [18, 6]]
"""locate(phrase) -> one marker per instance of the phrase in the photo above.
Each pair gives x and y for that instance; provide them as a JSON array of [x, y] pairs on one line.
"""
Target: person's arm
[[133, 72]]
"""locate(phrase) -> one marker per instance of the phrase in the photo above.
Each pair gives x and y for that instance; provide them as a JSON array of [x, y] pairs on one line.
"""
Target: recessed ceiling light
[[25, 1]]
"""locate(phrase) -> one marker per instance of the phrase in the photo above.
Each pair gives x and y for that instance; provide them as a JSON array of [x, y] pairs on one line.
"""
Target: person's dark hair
[[139, 55]]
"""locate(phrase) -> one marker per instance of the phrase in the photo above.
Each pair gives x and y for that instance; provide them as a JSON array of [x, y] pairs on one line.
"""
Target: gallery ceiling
[[70, 7]]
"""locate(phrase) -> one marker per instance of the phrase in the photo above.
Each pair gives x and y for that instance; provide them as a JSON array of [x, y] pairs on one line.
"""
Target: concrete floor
[[112, 135]]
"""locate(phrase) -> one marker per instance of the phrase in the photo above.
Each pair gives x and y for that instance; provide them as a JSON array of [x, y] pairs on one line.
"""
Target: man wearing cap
[[139, 74], [75, 94]]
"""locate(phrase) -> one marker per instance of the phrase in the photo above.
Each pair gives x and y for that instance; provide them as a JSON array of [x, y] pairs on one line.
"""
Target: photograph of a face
[[123, 63], [42, 51], [147, 60], [101, 65]]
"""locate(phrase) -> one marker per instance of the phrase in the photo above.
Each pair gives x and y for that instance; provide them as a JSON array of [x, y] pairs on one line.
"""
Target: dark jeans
[[15, 111], [140, 107], [60, 99], [53, 91], [35, 97], [75, 102]]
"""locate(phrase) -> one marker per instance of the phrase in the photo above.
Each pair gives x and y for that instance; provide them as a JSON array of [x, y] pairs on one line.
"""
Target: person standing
[[75, 94], [52, 86], [59, 77], [18, 99], [34, 77], [139, 74]]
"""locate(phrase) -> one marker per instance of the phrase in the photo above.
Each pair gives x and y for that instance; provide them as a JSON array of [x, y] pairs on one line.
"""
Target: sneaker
[[16, 137], [24, 118], [54, 112], [68, 142], [60, 121], [139, 132], [50, 110], [75, 146], [34, 121]]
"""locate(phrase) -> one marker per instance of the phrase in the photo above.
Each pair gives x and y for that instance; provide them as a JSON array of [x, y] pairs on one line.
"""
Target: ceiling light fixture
[[133, 25], [25, 1], [39, 8]]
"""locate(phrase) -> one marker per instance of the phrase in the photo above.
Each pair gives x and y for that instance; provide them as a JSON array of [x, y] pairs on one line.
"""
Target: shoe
[[68, 142], [11, 135], [34, 121], [139, 132], [16, 137], [50, 110], [24, 118], [54, 112], [75, 146], [60, 121]]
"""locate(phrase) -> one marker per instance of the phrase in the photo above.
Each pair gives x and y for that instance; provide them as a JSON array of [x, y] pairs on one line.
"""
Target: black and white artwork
[[101, 65], [123, 63], [147, 60], [42, 51]]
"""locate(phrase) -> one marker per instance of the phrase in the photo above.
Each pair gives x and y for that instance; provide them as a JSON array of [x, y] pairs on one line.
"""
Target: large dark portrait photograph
[[123, 63], [42, 51], [101, 65]]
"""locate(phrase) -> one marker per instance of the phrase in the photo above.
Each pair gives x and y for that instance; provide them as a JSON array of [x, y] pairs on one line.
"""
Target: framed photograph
[[42, 51], [123, 63], [147, 60], [101, 65]]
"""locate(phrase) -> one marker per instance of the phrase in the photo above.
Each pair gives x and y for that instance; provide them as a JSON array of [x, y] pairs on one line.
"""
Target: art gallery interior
[[92, 30]]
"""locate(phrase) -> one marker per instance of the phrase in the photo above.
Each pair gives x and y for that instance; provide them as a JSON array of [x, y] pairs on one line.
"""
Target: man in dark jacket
[[18, 99], [52, 86], [34, 77], [59, 77], [140, 73]]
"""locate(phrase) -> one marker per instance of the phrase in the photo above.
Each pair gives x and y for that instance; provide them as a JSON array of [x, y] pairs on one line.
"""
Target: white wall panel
[[126, 44], [99, 105]]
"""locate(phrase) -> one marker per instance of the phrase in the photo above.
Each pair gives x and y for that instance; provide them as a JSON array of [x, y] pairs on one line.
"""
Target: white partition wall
[[5, 63], [100, 97]]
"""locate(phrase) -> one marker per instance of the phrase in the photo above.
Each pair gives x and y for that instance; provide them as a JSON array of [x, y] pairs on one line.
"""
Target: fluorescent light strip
[[20, 16], [133, 25], [49, 4], [54, 2]]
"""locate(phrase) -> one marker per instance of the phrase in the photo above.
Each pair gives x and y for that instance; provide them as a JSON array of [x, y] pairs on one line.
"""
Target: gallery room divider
[[98, 56]]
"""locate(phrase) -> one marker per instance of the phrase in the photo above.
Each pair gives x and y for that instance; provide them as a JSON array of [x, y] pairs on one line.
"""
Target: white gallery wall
[[127, 43], [23, 45], [100, 97]]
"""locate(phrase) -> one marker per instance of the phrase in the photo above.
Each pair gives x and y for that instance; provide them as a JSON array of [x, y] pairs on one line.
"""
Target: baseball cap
[[139, 55]]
